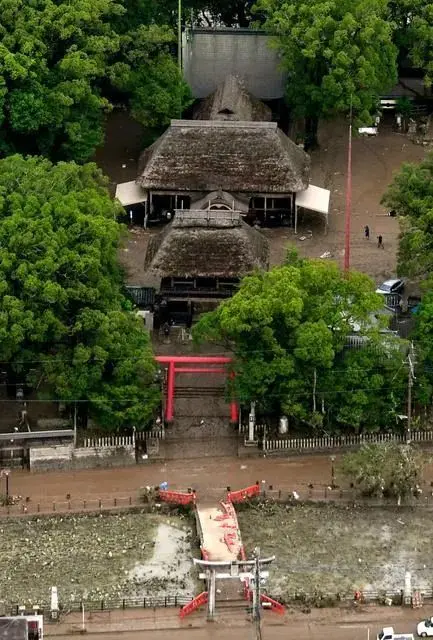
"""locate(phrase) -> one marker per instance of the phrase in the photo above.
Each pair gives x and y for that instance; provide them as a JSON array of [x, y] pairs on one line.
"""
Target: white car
[[425, 628], [389, 287]]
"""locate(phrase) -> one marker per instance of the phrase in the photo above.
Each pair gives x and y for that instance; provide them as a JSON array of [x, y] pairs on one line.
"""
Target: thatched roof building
[[232, 101], [231, 157], [206, 244], [207, 155]]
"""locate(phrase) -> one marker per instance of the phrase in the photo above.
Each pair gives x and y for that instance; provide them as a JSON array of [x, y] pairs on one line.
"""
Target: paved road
[[331, 624], [209, 477]]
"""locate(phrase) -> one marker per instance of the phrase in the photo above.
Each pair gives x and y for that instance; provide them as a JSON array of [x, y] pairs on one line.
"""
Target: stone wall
[[50, 458], [66, 457], [92, 457]]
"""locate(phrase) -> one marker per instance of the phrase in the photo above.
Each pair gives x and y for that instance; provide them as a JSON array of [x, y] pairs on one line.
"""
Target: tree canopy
[[413, 20], [288, 331], [64, 323], [411, 196], [385, 470], [59, 67], [336, 52]]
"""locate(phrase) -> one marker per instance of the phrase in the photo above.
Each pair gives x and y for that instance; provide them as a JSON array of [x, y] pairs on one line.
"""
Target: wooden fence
[[147, 602], [368, 596], [343, 442], [102, 442]]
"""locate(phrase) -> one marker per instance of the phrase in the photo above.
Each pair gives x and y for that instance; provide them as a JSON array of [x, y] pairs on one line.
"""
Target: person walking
[[380, 242], [367, 232]]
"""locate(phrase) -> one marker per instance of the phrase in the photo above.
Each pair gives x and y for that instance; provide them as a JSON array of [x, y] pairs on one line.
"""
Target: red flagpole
[[348, 211]]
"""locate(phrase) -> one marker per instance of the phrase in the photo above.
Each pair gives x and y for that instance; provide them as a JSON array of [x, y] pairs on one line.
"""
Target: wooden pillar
[[211, 595], [170, 393], [266, 208], [233, 405]]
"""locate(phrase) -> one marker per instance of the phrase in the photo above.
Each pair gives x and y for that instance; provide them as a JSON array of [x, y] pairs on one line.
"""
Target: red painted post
[[193, 359], [170, 392], [233, 405], [200, 370]]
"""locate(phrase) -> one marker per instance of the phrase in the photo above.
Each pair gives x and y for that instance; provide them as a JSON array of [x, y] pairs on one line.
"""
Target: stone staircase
[[191, 437]]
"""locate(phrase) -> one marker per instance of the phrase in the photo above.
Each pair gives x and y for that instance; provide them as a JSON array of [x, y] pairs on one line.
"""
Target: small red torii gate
[[172, 361]]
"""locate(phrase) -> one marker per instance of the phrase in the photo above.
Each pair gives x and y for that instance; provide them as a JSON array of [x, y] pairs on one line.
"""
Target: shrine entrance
[[193, 364]]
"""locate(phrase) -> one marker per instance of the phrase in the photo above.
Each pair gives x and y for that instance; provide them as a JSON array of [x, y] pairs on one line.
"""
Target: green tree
[[63, 319], [336, 52], [411, 196], [288, 328], [415, 34], [366, 388], [230, 13], [388, 470], [61, 64], [53, 55], [148, 76]]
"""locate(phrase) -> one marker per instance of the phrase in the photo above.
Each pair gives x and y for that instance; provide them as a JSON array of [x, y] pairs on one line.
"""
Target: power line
[[288, 393]]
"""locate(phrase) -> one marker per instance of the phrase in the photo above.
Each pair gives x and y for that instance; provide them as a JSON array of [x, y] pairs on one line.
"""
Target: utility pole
[[179, 52], [411, 378], [348, 210], [257, 617]]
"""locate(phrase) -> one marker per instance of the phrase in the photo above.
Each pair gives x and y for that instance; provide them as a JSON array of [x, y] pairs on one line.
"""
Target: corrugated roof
[[15, 628], [210, 54]]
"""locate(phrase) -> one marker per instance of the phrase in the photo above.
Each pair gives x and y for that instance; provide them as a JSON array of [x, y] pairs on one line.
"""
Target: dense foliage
[[336, 53], [288, 330], [64, 64], [411, 195], [60, 63], [386, 470], [64, 324]]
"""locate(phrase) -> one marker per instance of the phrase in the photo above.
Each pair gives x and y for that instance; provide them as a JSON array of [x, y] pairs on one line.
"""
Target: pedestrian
[[380, 242], [367, 232]]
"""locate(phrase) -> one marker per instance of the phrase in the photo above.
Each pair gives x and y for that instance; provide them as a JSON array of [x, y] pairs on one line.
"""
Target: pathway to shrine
[[221, 545]]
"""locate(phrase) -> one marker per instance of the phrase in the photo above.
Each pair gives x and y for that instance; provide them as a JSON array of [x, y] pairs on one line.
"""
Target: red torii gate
[[172, 361]]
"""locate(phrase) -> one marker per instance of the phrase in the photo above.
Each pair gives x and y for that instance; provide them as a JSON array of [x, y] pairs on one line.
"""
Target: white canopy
[[130, 193], [314, 199]]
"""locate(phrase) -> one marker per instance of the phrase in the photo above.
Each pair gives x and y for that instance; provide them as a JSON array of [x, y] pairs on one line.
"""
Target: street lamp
[[332, 472], [5, 474]]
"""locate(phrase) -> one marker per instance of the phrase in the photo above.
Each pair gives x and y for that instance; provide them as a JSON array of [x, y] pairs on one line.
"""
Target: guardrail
[[147, 602], [37, 435], [177, 497], [242, 495]]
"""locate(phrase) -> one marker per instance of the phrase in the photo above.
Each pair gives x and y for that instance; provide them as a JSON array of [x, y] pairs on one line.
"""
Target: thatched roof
[[206, 155], [232, 101], [206, 244]]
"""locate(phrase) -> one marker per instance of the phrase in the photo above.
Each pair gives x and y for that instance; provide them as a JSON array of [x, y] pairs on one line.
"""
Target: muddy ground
[[95, 557], [375, 160], [329, 549]]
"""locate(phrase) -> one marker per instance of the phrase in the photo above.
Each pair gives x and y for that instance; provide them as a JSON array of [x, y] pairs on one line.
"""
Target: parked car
[[387, 633], [390, 286], [425, 628]]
